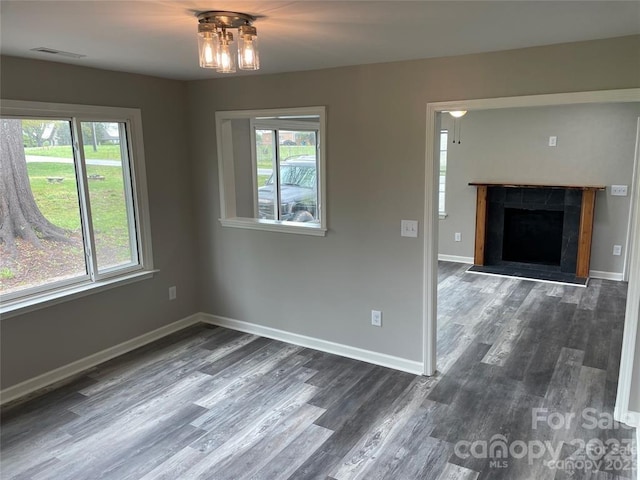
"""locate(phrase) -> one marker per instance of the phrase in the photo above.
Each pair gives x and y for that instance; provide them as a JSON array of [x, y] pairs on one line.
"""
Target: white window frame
[[138, 210], [228, 217]]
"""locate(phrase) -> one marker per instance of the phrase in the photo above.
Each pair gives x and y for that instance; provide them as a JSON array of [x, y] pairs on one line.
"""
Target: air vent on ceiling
[[53, 51]]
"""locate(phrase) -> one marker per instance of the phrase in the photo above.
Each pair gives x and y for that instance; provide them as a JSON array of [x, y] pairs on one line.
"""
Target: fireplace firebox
[[532, 236]]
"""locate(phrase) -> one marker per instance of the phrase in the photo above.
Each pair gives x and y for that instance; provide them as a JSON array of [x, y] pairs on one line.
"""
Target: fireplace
[[532, 236], [535, 231]]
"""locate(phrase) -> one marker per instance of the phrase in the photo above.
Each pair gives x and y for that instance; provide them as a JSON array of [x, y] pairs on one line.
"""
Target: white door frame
[[632, 312], [431, 219], [632, 209]]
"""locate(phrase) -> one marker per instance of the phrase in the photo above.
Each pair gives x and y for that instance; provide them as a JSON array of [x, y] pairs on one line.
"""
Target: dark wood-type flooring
[[211, 403]]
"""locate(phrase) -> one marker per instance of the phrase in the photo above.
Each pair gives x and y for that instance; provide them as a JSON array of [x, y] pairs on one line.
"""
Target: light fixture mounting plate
[[225, 19]]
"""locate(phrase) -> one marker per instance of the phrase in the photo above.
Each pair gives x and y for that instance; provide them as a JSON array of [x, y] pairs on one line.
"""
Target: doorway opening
[[435, 112]]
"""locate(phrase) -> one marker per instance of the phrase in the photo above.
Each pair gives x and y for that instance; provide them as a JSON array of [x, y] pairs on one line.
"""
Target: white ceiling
[[159, 37]]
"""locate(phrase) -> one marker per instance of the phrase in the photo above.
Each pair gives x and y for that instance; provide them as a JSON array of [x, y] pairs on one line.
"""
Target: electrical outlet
[[172, 293], [409, 228], [458, 237], [376, 318], [617, 250], [619, 190], [553, 141]]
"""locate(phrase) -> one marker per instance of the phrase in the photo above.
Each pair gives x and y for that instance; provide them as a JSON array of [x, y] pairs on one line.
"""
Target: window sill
[[47, 299], [297, 228], [443, 215]]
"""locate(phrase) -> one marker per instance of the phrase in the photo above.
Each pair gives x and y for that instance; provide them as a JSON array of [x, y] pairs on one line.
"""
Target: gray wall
[[326, 287], [596, 145], [45, 339]]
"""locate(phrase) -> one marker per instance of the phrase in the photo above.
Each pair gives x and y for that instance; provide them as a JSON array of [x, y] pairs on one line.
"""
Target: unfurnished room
[[319, 240]]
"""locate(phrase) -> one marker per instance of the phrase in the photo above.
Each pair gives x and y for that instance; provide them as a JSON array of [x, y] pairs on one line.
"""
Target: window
[[74, 211], [442, 184], [271, 168]]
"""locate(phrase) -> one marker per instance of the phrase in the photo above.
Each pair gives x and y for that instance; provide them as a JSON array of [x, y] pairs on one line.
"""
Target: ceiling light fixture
[[458, 113], [214, 41]]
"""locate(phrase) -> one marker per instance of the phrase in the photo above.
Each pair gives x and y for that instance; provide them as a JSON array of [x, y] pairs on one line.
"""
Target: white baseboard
[[397, 363], [59, 374], [606, 275], [455, 258]]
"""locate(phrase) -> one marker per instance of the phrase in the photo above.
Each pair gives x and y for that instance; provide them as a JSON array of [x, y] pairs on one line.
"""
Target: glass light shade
[[458, 113], [248, 58], [208, 49], [226, 61]]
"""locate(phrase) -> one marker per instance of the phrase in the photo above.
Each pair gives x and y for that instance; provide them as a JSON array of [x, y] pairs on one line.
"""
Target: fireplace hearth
[[534, 231]]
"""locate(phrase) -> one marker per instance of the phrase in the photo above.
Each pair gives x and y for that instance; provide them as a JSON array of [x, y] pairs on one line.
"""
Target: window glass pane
[[107, 167], [266, 165], [41, 240], [298, 175], [444, 136]]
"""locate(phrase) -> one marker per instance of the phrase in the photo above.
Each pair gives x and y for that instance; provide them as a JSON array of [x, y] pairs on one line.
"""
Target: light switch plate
[[619, 190], [553, 141], [409, 228]]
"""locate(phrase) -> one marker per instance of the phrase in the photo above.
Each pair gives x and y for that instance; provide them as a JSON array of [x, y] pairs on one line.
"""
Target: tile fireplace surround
[[535, 231]]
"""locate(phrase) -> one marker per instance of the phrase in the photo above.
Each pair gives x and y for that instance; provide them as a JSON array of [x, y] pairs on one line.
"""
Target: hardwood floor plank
[[504, 344], [250, 372], [453, 340], [96, 456], [590, 296], [580, 329], [365, 408], [334, 367], [229, 417], [455, 472], [408, 441], [541, 368], [343, 382], [28, 455], [562, 387], [294, 454], [427, 461], [252, 460], [365, 452], [456, 377], [242, 439], [175, 466], [341, 411], [29, 473], [136, 390], [153, 449], [235, 356]]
